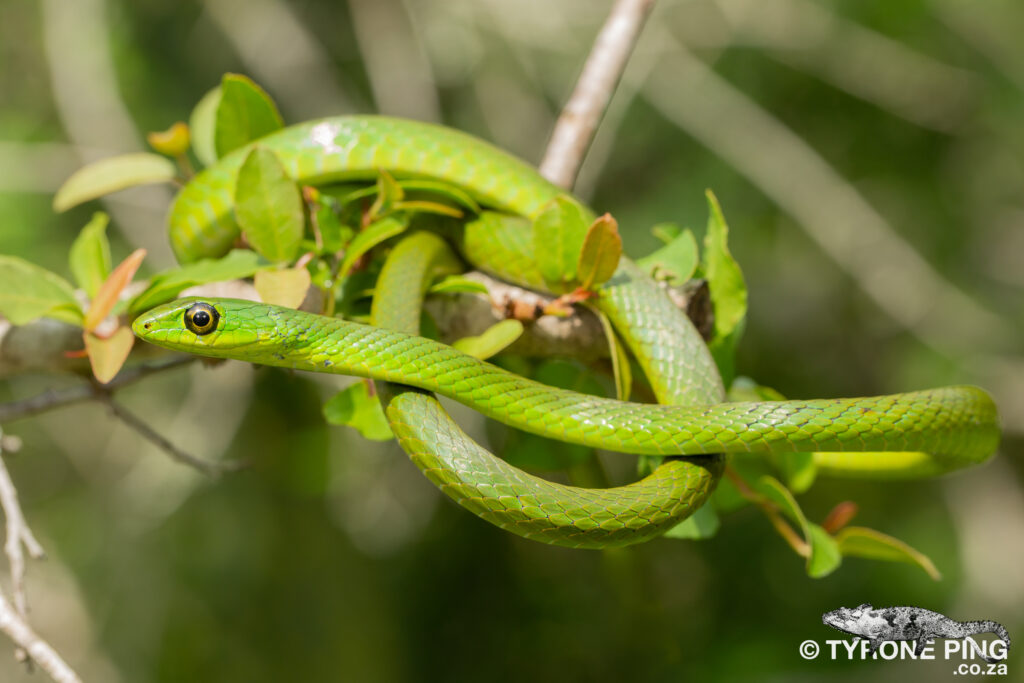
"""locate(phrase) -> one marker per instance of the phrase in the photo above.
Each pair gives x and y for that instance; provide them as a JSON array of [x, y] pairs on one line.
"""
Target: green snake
[[926, 432]]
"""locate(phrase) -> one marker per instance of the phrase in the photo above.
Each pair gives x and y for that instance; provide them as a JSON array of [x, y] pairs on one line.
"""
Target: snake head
[[207, 327]]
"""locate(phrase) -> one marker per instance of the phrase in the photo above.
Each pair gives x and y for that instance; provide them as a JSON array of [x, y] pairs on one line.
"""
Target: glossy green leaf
[[666, 232], [245, 113], [855, 541], [599, 256], [434, 187], [558, 233], [620, 359], [355, 407], [203, 125], [773, 490], [458, 283], [28, 292], [268, 206], [798, 470], [89, 257], [112, 174], [389, 193], [423, 206], [494, 339], [728, 291], [166, 286], [374, 234], [704, 523], [825, 557], [675, 262]]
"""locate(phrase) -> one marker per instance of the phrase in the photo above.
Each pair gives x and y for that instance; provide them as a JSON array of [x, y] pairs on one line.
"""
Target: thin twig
[[18, 534], [41, 652], [142, 428], [58, 398], [578, 122]]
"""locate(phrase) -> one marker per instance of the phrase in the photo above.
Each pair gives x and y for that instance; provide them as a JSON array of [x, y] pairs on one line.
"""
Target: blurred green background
[[869, 157]]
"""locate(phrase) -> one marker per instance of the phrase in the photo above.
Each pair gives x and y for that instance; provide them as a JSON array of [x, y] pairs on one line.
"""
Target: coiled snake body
[[924, 432]]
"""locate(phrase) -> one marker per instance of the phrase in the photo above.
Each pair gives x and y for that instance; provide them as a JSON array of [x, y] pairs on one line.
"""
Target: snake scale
[[916, 433]]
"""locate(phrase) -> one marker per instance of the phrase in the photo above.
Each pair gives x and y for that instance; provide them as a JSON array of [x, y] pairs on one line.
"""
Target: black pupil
[[201, 319]]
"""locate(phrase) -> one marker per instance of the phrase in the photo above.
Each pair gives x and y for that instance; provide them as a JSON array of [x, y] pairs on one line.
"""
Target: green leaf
[[458, 283], [773, 490], [355, 407], [374, 234], [28, 292], [825, 557], [704, 523], [728, 291], [423, 206], [855, 541], [798, 469], [389, 193], [620, 359], [173, 142], [245, 113], [112, 174], [600, 253], [494, 339], [165, 286], [558, 233], [445, 190], [745, 389], [89, 257], [666, 232], [203, 125], [285, 287], [674, 262], [268, 206]]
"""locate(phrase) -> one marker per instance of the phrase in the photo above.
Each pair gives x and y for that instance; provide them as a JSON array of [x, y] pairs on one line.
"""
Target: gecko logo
[[909, 633]]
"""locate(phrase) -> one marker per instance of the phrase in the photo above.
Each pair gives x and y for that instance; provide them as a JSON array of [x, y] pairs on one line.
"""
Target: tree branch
[[13, 618], [58, 398], [142, 428], [578, 122], [41, 652]]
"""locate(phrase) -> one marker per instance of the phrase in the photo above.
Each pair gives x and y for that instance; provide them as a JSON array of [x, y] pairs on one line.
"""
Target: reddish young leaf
[[110, 290]]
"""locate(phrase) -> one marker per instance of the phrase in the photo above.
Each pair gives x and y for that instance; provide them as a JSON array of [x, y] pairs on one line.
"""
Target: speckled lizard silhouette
[[908, 623]]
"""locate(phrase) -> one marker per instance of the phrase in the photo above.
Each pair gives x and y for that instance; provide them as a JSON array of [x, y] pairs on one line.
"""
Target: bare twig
[[41, 652], [142, 428], [48, 400], [578, 122], [18, 534]]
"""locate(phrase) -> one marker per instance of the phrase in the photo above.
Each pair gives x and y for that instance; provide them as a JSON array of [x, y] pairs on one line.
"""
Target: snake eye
[[201, 318]]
